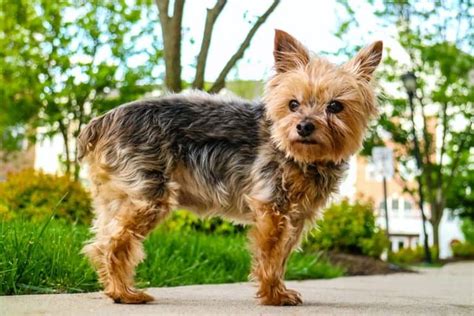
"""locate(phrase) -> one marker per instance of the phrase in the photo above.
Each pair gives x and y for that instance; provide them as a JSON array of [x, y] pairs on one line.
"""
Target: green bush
[[186, 221], [33, 195], [349, 228], [467, 228], [411, 255], [463, 250]]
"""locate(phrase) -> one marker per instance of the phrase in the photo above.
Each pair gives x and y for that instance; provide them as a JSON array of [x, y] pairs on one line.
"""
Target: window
[[401, 244], [395, 205], [407, 206], [382, 206]]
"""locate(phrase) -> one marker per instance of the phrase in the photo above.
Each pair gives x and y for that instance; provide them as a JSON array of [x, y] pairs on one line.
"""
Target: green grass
[[45, 258]]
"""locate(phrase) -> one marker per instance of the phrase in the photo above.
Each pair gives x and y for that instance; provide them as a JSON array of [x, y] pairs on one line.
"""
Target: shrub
[[463, 250], [186, 221], [33, 195], [349, 228], [467, 228], [411, 255]]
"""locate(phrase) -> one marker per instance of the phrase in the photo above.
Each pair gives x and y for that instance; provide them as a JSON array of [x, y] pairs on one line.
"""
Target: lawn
[[45, 258]]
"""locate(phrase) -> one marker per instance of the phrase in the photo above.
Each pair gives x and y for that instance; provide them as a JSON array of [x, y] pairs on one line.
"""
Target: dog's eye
[[293, 105], [335, 107]]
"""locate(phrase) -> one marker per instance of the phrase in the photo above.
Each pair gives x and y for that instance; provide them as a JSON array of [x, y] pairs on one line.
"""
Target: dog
[[272, 164]]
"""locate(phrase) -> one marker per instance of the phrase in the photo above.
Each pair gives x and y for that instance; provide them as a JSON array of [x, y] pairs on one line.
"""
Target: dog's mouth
[[306, 141]]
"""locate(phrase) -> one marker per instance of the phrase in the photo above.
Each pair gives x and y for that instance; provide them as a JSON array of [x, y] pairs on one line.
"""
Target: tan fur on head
[[314, 82]]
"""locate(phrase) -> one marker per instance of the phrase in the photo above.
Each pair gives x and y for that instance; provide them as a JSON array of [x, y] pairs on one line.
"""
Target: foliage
[[463, 250], [303, 266], [43, 258], [411, 255], [467, 228], [33, 195], [349, 228], [186, 221], [46, 259], [246, 89], [66, 61]]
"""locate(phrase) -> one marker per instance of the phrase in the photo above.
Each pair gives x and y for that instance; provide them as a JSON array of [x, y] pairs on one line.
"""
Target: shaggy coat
[[250, 162]]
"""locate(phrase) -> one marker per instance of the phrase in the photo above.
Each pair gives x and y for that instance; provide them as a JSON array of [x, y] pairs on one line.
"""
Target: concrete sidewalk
[[445, 291]]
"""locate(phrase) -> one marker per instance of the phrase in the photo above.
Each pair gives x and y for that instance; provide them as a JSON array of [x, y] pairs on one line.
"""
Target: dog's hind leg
[[122, 222]]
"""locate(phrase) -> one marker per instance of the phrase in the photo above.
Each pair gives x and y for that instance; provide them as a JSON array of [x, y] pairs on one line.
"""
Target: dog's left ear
[[364, 63], [289, 53]]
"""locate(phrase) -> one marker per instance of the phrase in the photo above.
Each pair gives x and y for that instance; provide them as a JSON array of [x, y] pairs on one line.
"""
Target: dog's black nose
[[305, 128]]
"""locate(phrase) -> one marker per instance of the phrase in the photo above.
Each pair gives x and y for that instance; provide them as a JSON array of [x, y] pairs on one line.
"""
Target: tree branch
[[220, 81], [211, 17], [428, 166], [426, 135], [163, 10], [443, 144]]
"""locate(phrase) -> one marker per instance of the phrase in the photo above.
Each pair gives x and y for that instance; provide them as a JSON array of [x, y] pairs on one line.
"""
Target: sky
[[313, 22]]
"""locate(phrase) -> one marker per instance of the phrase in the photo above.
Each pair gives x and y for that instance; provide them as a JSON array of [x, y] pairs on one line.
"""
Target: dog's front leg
[[272, 238]]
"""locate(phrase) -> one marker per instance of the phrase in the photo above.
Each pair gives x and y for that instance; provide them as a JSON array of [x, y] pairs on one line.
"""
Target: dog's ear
[[289, 53], [364, 63]]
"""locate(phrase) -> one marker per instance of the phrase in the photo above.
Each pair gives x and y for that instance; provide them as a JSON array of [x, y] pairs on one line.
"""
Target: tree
[[171, 26], [68, 61], [438, 39], [19, 90]]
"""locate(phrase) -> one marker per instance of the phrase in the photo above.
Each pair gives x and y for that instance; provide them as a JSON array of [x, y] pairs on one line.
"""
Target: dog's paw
[[284, 297], [290, 298], [131, 297]]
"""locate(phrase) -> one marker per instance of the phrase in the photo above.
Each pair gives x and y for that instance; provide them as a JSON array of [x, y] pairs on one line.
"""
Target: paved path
[[445, 291]]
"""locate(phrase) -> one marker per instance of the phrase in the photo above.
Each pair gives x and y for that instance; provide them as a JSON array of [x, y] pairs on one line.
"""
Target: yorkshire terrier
[[272, 164]]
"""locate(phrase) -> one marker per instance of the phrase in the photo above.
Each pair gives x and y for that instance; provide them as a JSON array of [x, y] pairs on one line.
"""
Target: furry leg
[[272, 239], [117, 248]]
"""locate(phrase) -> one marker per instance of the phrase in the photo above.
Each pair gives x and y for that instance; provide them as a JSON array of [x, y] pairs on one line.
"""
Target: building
[[405, 221]]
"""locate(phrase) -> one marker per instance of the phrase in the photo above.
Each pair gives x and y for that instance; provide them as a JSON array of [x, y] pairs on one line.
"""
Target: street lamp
[[409, 81]]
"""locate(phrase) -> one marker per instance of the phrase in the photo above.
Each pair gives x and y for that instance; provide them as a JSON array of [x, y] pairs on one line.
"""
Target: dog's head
[[319, 111]]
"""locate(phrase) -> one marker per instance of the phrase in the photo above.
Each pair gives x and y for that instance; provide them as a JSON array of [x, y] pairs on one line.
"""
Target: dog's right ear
[[289, 53]]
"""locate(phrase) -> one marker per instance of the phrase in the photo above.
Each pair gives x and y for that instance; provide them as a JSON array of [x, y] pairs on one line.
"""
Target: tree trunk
[[171, 31], [435, 254], [64, 134], [77, 167], [172, 47], [437, 209]]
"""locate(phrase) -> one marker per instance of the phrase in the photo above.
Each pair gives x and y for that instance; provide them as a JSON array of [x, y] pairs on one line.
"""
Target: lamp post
[[409, 81]]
